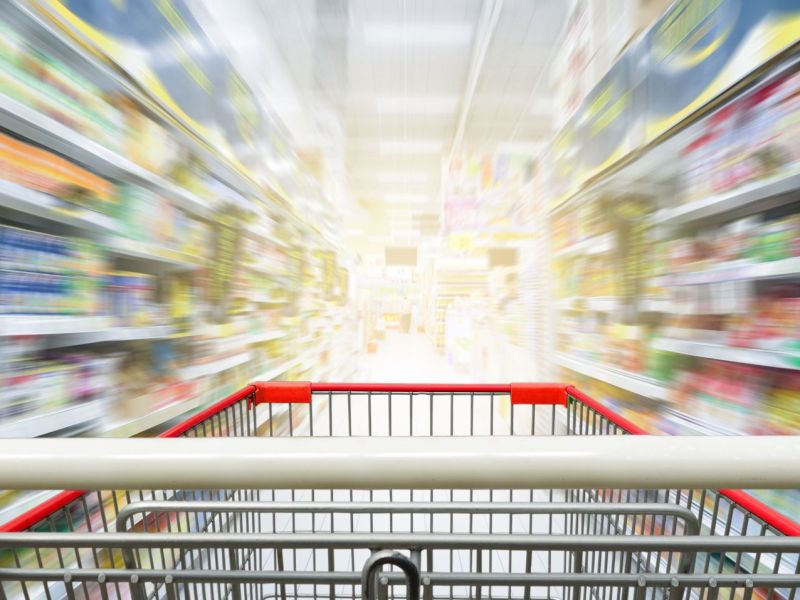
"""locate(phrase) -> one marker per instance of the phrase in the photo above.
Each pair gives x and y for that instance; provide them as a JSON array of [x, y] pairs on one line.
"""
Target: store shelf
[[265, 336], [154, 418], [598, 244], [146, 257], [696, 424], [656, 305], [42, 129], [265, 299], [112, 334], [740, 197], [17, 198], [29, 325], [749, 356], [50, 422], [271, 271], [739, 271], [592, 304], [274, 372], [259, 231], [23, 502], [214, 367], [644, 386]]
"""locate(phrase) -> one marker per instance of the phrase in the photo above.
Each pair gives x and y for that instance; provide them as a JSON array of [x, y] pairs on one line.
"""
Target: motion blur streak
[[198, 194]]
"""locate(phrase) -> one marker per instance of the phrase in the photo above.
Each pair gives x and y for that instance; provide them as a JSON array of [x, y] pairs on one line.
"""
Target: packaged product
[[131, 297], [43, 171]]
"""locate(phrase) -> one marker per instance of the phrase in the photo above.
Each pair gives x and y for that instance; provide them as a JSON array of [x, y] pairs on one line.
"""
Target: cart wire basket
[[334, 491]]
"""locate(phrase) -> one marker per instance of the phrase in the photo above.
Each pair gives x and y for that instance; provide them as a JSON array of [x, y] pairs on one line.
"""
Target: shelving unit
[[739, 271], [214, 367], [163, 262], [53, 421], [632, 382], [30, 325], [705, 257], [154, 418], [749, 195], [591, 303], [693, 425], [747, 356], [150, 258], [51, 134], [598, 244], [109, 334], [14, 197]]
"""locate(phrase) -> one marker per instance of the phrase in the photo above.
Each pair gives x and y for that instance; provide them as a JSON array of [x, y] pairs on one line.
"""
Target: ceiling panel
[[394, 71]]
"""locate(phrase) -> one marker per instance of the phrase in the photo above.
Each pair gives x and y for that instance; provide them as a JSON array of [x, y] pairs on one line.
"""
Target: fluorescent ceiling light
[[420, 104], [542, 107], [403, 177], [403, 198], [418, 34], [410, 146], [520, 148]]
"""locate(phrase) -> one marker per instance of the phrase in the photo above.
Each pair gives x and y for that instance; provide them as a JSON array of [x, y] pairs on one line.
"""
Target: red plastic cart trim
[[539, 393], [521, 393], [410, 387], [780, 522], [40, 512], [212, 410], [605, 411], [283, 392], [767, 514]]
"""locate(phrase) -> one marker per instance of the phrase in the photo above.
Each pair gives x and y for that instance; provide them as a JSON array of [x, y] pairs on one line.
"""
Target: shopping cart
[[403, 491]]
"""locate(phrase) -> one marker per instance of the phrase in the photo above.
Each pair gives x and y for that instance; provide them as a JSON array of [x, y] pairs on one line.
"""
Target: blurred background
[[198, 194]]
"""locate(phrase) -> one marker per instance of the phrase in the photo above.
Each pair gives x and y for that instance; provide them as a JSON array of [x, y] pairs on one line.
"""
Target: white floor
[[407, 358]]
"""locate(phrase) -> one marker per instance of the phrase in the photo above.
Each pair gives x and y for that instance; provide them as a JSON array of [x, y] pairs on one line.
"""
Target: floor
[[409, 357]]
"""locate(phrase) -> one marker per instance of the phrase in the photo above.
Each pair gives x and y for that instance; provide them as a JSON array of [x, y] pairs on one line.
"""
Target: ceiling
[[387, 90]]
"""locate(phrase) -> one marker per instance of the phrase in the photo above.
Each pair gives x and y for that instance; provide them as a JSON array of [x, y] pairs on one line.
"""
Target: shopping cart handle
[[460, 462], [389, 557]]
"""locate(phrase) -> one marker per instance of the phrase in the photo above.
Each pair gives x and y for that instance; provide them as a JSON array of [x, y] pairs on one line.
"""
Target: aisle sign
[[694, 52], [699, 48], [610, 116]]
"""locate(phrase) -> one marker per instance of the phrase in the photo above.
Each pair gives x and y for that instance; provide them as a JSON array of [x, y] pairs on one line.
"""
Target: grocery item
[[131, 299], [43, 171], [48, 274], [40, 384]]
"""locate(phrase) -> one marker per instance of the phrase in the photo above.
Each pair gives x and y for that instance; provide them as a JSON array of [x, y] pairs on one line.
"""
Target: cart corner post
[[282, 392], [539, 393]]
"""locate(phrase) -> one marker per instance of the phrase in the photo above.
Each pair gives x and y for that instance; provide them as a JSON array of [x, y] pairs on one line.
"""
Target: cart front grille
[[566, 544]]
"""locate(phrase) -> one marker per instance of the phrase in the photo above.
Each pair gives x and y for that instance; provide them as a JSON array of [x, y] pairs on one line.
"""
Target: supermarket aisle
[[409, 357]]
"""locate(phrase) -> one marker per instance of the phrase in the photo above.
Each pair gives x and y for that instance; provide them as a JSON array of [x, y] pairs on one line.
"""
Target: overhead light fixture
[[542, 107], [418, 104], [418, 34], [410, 146], [403, 177], [520, 148], [404, 198]]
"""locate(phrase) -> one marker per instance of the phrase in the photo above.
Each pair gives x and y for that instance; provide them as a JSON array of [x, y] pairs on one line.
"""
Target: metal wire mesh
[[476, 543]]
